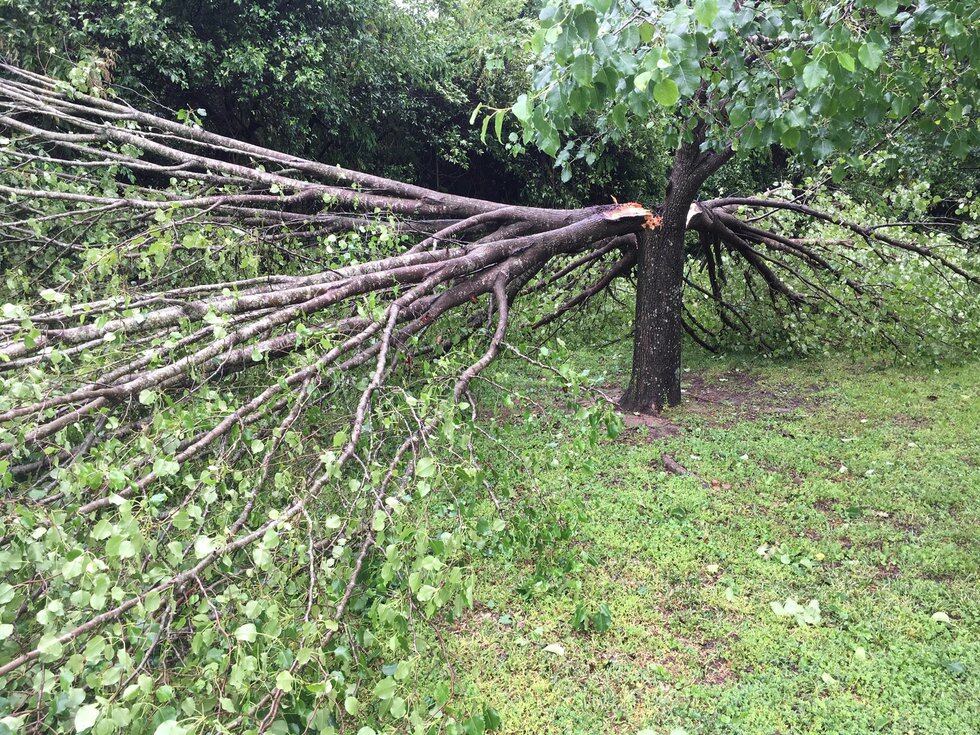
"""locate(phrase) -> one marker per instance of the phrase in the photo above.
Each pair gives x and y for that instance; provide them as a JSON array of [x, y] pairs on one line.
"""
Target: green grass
[[848, 484]]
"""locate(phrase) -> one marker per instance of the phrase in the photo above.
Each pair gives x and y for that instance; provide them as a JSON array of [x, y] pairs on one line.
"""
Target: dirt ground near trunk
[[722, 399]]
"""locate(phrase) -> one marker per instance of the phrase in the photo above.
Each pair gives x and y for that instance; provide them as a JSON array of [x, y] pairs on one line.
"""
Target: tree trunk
[[655, 381]]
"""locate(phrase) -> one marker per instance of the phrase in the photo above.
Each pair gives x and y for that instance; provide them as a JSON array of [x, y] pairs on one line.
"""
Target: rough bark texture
[[655, 376], [655, 380]]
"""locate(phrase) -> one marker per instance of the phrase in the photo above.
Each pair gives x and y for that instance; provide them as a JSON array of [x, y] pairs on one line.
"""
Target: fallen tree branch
[[130, 406]]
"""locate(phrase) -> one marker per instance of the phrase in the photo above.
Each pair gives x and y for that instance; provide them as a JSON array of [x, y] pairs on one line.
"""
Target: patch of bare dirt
[[716, 669], [657, 427], [911, 422], [672, 662], [812, 534], [826, 505], [723, 399], [906, 524], [888, 571], [738, 395], [717, 672]]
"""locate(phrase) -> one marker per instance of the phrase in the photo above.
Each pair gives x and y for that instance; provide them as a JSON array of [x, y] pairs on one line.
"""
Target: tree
[[300, 76], [730, 77], [380, 86], [338, 80], [89, 387], [193, 427]]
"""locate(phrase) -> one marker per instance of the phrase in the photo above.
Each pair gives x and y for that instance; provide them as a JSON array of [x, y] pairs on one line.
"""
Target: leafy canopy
[[816, 78]]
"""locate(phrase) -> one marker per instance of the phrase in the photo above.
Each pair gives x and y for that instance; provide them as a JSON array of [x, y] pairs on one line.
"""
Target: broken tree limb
[[262, 364]]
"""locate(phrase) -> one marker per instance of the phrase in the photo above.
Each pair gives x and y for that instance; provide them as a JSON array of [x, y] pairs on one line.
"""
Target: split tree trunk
[[655, 380]]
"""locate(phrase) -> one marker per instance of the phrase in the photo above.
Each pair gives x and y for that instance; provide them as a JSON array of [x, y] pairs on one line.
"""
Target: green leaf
[[284, 681], [203, 546], [556, 648], [53, 296], [498, 124], [492, 718], [86, 716], [846, 61], [102, 530], [152, 601], [706, 11], [887, 8], [385, 689], [246, 633], [814, 74], [790, 138], [582, 69], [587, 25], [170, 727], [870, 55], [522, 108], [483, 128], [304, 655], [427, 592], [182, 520], [50, 648], [397, 709], [738, 116], [666, 93], [425, 468], [642, 80], [602, 619], [618, 116], [117, 478], [164, 467], [809, 615]]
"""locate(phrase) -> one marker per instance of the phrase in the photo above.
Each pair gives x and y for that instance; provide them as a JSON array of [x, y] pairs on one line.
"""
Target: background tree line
[[377, 85]]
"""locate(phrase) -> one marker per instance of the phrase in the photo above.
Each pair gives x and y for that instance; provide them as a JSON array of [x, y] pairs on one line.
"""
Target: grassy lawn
[[847, 484]]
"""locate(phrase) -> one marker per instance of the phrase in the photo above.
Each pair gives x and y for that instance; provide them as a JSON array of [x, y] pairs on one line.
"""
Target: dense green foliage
[[869, 98], [815, 79], [246, 626], [915, 315], [295, 75], [380, 86]]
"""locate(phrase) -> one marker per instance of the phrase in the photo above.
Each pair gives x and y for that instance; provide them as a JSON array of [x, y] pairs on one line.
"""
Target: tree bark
[[655, 379]]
